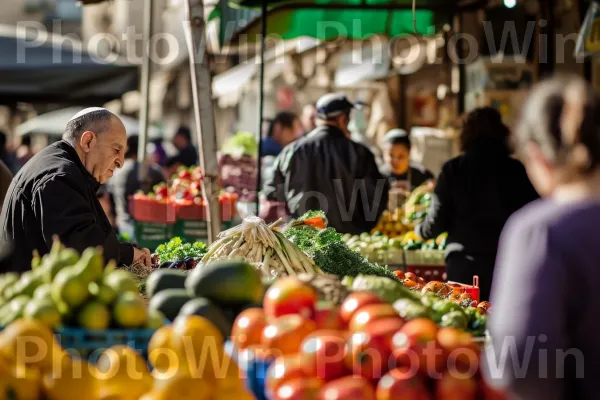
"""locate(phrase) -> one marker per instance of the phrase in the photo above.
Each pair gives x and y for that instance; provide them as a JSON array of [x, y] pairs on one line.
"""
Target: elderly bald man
[[55, 193]]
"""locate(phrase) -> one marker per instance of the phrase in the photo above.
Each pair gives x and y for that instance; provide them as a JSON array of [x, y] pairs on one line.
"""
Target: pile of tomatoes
[[453, 291], [362, 350], [181, 199]]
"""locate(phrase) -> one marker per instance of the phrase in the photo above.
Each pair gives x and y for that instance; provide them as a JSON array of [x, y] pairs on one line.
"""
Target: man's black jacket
[[53, 194], [327, 171]]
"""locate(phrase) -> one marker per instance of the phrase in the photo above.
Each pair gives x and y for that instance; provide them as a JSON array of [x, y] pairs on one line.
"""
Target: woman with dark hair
[[396, 155], [474, 196], [283, 130], [546, 292]]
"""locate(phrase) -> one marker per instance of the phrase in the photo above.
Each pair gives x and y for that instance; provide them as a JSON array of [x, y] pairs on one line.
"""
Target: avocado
[[169, 302], [205, 308], [165, 279], [226, 282]]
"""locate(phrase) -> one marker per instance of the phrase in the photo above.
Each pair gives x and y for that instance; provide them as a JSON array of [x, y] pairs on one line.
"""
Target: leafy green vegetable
[[241, 143], [387, 289], [331, 254], [175, 250]]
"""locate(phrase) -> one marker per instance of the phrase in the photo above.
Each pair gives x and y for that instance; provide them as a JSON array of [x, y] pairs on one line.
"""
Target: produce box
[[425, 257], [152, 234], [194, 230], [147, 210], [227, 204], [90, 344]]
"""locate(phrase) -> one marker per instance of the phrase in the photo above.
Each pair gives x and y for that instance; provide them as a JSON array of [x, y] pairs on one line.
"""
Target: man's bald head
[[99, 138], [94, 119]]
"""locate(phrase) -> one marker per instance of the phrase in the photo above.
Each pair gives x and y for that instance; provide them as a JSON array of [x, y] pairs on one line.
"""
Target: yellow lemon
[[73, 379], [123, 372], [198, 345], [31, 343]]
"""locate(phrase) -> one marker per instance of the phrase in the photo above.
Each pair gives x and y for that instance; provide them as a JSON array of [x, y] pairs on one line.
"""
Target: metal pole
[[195, 33], [261, 95], [145, 89]]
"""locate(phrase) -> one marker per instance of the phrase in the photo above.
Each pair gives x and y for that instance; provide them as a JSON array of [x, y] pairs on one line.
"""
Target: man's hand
[[142, 256]]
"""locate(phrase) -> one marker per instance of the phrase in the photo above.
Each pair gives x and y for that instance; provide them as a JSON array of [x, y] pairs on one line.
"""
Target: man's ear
[[87, 141]]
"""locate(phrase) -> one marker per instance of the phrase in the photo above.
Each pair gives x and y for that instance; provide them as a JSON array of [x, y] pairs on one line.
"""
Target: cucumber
[[169, 302], [205, 308], [165, 279]]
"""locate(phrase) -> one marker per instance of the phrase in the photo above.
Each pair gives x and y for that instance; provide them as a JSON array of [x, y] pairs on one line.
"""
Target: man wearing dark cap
[[55, 193], [325, 170]]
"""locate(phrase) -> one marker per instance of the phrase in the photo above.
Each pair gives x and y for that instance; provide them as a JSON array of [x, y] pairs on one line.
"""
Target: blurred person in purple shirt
[[546, 290]]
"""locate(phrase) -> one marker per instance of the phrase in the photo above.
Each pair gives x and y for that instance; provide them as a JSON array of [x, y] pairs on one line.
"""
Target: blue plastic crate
[[254, 368], [90, 344]]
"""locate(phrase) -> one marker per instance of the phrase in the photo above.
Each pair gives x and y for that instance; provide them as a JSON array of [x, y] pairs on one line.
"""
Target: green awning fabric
[[354, 19]]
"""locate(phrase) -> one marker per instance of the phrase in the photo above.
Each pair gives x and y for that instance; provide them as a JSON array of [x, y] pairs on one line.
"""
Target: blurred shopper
[[187, 154], [308, 118], [396, 155], [327, 171], [545, 295], [25, 151], [158, 154], [6, 155], [126, 183], [5, 179], [474, 196], [55, 193], [283, 130]]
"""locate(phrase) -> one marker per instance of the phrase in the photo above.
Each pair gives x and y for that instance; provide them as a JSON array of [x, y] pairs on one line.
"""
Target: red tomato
[[327, 347], [385, 328], [454, 387], [347, 388], [411, 276], [484, 307], [184, 174], [162, 191], [415, 347], [287, 368], [369, 313], [248, 328], [286, 333], [399, 274], [456, 288], [401, 384], [420, 329], [368, 356], [461, 348], [355, 301], [290, 296], [299, 389], [329, 318]]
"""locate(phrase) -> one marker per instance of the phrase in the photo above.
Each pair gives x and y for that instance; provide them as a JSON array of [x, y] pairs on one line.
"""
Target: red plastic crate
[[147, 210], [198, 211]]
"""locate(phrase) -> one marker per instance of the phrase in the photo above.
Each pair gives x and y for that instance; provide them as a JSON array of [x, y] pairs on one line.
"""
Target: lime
[[130, 310], [156, 319], [43, 310], [121, 281], [68, 287], [94, 316]]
